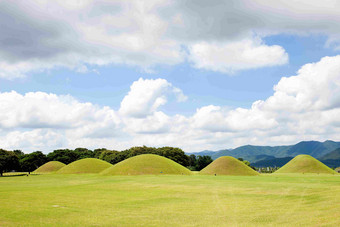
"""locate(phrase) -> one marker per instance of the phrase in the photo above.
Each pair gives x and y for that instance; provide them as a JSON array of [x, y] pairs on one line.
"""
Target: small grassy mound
[[86, 165], [146, 164], [227, 165], [305, 164], [50, 167]]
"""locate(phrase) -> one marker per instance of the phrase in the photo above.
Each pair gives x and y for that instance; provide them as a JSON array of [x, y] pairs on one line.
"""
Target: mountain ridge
[[254, 153]]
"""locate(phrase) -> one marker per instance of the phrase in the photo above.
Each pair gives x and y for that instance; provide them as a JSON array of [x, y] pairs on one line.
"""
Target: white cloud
[[40, 35], [38, 110], [157, 123], [303, 107], [44, 35], [38, 120], [146, 96], [217, 119], [36, 139], [234, 56]]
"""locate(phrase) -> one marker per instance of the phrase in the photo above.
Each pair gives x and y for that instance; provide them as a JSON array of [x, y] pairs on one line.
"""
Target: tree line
[[20, 162]]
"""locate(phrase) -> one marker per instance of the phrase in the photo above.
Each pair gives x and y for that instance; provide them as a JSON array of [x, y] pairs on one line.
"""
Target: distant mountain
[[332, 159], [332, 155], [278, 162], [258, 153], [203, 153], [249, 152], [313, 148], [333, 163]]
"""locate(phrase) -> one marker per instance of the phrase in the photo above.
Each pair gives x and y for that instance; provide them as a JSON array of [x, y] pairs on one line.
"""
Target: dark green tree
[[97, 152], [109, 156], [63, 155], [203, 161], [32, 161], [192, 160], [19, 153], [175, 154], [8, 161], [84, 153], [133, 151]]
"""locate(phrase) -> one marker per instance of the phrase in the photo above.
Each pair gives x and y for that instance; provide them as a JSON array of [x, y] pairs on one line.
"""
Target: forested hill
[[258, 153]]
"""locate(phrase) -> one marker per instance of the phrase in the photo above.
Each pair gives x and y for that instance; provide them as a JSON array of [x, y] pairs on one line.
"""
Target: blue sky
[[118, 74]]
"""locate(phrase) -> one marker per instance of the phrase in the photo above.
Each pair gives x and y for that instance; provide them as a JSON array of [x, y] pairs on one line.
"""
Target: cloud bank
[[303, 106], [224, 36]]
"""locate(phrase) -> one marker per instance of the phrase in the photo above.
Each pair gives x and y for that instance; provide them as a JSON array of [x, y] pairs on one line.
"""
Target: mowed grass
[[146, 164], [170, 200]]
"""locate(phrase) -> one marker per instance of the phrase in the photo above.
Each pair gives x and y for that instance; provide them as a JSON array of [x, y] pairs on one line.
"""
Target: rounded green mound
[[50, 167], [305, 164], [146, 164], [86, 165], [227, 165]]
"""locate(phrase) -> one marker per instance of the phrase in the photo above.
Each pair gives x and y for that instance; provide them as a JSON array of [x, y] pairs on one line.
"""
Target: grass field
[[168, 200]]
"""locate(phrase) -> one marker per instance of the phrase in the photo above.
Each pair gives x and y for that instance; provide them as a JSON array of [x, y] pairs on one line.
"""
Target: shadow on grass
[[17, 174]]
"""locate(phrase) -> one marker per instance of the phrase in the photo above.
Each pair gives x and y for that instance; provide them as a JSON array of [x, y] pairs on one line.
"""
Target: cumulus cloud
[[39, 110], [82, 35], [40, 35], [234, 56], [146, 96], [63, 121], [305, 106]]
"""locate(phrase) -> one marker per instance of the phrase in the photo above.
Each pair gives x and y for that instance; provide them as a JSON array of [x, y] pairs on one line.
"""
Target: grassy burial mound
[[86, 165], [305, 164], [228, 165], [50, 167], [146, 164]]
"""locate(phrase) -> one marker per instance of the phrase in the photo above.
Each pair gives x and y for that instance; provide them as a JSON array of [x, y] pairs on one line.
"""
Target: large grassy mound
[[227, 165], [305, 164], [50, 167], [86, 165], [146, 164]]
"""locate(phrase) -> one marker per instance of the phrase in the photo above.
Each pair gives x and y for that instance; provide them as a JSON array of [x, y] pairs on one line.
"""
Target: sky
[[194, 74]]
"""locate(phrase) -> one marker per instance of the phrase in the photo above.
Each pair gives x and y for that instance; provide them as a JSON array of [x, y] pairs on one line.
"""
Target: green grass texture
[[170, 200], [228, 165], [86, 165], [146, 164], [50, 167], [305, 164]]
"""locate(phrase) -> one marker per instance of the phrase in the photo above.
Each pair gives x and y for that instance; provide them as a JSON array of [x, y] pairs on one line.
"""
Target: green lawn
[[93, 200]]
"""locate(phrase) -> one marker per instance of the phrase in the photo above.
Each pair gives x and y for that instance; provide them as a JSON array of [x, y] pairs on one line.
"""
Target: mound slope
[[50, 167], [305, 164], [228, 165], [86, 165], [146, 164]]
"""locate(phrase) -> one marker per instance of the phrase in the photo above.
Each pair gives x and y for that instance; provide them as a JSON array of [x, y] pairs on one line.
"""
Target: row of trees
[[196, 163], [17, 160]]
